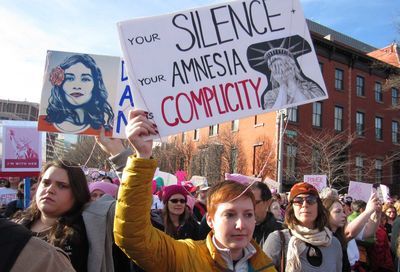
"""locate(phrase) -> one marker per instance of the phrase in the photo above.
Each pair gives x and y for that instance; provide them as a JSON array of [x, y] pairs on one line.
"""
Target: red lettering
[[178, 110], [163, 112]]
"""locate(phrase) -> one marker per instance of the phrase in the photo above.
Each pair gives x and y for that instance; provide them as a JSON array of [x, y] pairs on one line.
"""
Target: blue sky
[[31, 27]]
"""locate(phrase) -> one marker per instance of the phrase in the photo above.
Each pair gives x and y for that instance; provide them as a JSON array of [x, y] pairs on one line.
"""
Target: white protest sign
[[169, 179], [360, 190], [199, 180], [318, 181], [222, 62]]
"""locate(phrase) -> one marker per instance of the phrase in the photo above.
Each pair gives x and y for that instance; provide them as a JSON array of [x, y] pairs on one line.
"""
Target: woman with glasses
[[307, 244], [175, 219]]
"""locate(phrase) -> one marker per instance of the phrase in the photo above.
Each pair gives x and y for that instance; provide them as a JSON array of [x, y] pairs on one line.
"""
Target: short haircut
[[357, 205], [226, 191], [107, 177], [265, 191]]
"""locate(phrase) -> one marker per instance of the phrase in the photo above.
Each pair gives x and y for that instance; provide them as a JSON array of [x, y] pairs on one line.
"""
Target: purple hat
[[168, 191], [106, 187]]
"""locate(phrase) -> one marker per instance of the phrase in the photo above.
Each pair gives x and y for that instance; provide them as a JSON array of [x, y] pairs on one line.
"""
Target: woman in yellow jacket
[[228, 247]]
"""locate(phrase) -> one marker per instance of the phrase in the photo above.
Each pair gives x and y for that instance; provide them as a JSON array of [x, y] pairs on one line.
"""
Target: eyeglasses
[[182, 201], [298, 200]]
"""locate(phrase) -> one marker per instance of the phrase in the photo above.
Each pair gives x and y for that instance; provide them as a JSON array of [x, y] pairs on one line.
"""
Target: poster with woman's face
[[79, 93]]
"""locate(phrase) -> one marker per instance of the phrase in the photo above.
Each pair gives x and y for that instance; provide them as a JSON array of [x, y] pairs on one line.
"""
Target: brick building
[[359, 114]]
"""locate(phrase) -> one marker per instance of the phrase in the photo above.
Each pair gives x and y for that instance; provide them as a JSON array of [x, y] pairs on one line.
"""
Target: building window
[[339, 75], [291, 160], [359, 168], [235, 125], [395, 97], [213, 130], [338, 118], [360, 83], [395, 132], [9, 107], [24, 109], [183, 137], [256, 159], [293, 114], [256, 123], [378, 171], [378, 128], [360, 121], [315, 161], [196, 134], [378, 92], [317, 114], [233, 162]]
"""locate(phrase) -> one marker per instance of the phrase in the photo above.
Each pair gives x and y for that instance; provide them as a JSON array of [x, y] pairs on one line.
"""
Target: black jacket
[[268, 226]]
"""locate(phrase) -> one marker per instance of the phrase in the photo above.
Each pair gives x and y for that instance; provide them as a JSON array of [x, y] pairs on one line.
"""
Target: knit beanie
[[105, 187], [302, 188], [168, 191]]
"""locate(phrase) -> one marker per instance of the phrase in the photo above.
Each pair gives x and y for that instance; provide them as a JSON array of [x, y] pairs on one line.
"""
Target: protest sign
[[360, 190], [169, 179], [318, 181], [83, 93], [219, 63], [21, 146]]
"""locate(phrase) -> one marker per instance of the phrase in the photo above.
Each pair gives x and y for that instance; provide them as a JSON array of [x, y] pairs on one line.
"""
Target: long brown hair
[[339, 233], [62, 230], [169, 227], [320, 222]]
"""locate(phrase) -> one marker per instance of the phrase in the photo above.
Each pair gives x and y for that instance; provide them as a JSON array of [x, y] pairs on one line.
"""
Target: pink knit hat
[[168, 191], [105, 187]]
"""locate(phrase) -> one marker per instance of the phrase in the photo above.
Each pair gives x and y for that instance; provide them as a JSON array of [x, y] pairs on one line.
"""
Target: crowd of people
[[140, 224]]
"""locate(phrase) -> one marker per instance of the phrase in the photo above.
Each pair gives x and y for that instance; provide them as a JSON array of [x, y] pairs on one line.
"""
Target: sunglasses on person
[[298, 200], [175, 200]]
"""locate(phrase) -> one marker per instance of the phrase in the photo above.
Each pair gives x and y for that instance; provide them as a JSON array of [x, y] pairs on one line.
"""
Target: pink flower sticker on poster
[[21, 149]]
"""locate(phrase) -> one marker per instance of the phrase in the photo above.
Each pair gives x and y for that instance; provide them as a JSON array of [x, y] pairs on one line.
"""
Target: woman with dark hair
[[56, 213], [307, 244], [175, 219], [78, 99]]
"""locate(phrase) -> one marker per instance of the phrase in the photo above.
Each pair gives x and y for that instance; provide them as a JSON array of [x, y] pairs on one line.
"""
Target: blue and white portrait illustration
[[277, 60], [78, 98]]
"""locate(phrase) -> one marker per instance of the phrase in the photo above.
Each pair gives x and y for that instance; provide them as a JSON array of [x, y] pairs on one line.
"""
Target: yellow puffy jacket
[[154, 250]]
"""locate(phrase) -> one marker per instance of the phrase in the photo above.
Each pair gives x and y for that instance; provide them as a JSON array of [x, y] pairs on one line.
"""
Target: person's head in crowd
[[346, 201], [283, 200], [305, 208], [337, 218], [98, 189], [106, 179], [61, 195], [14, 181], [397, 206], [358, 206], [390, 211], [174, 198], [230, 207], [4, 183], [263, 198], [275, 209], [202, 193], [328, 192]]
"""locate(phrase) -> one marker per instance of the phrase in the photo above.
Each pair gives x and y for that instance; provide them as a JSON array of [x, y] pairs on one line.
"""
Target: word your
[[144, 39], [149, 80], [208, 66], [228, 24], [227, 97]]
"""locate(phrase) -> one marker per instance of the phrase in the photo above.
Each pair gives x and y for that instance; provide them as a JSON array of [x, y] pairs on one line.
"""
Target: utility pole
[[282, 115]]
